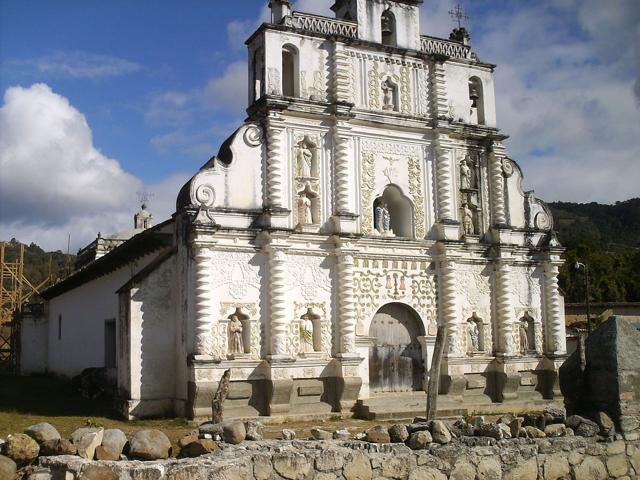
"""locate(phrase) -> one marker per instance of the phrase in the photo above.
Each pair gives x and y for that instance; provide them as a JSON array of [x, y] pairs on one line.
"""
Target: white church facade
[[367, 199]]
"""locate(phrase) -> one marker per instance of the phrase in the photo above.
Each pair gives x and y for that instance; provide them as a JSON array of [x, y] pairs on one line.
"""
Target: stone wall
[[470, 458]]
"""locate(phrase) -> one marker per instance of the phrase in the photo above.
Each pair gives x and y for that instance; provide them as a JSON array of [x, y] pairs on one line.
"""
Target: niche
[[476, 97], [527, 334], [390, 99], [239, 334], [257, 69], [310, 333], [290, 71], [393, 214], [308, 206], [388, 28], [307, 165], [475, 335]]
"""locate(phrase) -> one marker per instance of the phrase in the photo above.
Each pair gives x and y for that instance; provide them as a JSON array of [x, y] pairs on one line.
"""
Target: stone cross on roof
[[458, 14]]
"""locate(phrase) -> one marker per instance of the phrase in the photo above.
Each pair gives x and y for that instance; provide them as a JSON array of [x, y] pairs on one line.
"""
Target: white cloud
[[230, 91], [78, 64], [317, 7], [54, 181]]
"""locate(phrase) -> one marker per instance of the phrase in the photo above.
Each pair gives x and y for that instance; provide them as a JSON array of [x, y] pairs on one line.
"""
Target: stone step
[[401, 406]]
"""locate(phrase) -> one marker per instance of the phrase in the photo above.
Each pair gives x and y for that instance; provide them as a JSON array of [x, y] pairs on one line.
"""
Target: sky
[[105, 99]]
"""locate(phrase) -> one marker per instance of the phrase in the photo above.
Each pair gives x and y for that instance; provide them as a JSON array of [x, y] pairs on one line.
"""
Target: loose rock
[[440, 433], [555, 430], [8, 467], [554, 414], [288, 434], [398, 433], [320, 434], [574, 421], [42, 432], [254, 430], [114, 440], [149, 445], [533, 432], [86, 440], [234, 432], [607, 428], [490, 430], [587, 428], [535, 420], [103, 453], [342, 434], [21, 448], [200, 446], [62, 446], [516, 427], [419, 440], [377, 434]]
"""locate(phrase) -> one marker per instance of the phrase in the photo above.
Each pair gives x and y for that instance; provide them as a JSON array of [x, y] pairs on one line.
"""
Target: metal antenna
[[458, 14], [144, 196]]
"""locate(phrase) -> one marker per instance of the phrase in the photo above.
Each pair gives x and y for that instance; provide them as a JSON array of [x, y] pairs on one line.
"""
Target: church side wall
[[77, 320]]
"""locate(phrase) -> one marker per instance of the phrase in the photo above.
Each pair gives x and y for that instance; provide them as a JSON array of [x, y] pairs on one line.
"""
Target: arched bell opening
[[388, 28], [393, 214], [290, 71], [476, 97]]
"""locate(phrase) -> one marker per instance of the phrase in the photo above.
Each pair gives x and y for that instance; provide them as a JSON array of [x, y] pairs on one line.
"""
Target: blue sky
[[106, 98]]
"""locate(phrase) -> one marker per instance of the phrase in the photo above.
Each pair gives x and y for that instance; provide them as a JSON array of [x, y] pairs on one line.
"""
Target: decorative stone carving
[[374, 88], [448, 307], [383, 219], [346, 305], [498, 211], [444, 180], [253, 136], [556, 342], [306, 160], [342, 165], [468, 220], [322, 335], [203, 310], [368, 186], [405, 90], [274, 163], [309, 276], [388, 94], [236, 342], [417, 195], [507, 167], [466, 174], [280, 328], [235, 269], [505, 311], [274, 85], [306, 214], [524, 337], [473, 334]]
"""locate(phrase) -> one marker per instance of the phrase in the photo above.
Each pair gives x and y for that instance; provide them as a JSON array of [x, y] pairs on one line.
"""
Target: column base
[[345, 223], [448, 230]]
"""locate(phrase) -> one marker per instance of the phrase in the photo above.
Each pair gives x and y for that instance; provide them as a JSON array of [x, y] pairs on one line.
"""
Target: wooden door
[[395, 359]]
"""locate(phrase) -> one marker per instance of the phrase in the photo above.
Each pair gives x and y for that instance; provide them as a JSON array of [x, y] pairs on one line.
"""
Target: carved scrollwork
[[507, 167], [205, 196], [542, 221], [253, 136]]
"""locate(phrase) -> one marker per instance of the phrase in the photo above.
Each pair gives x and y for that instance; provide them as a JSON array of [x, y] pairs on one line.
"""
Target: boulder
[[254, 430], [398, 433], [506, 419], [533, 432], [86, 440], [462, 429], [573, 421], [42, 432], [234, 433], [149, 445], [591, 468], [607, 428], [490, 430], [629, 423], [114, 440], [291, 465], [378, 434], [417, 427], [516, 427], [587, 428], [419, 440], [21, 448], [288, 434], [103, 453], [342, 434], [535, 420], [357, 468], [186, 440], [554, 414], [52, 448], [210, 428], [200, 446], [8, 468], [506, 430], [320, 434], [439, 432], [555, 430]]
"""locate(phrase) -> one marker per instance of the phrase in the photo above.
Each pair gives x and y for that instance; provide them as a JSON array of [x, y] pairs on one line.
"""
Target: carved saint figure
[[382, 218], [387, 95], [305, 156], [524, 337], [466, 182], [473, 336], [306, 334], [236, 343], [467, 220], [306, 215]]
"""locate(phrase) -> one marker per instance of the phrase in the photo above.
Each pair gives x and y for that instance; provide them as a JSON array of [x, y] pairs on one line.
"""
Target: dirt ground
[[25, 401]]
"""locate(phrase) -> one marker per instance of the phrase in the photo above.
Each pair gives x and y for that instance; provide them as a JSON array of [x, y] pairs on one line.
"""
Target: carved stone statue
[[473, 336], [305, 157], [467, 220], [387, 95], [306, 334], [306, 214], [236, 343], [382, 219], [524, 337], [466, 180]]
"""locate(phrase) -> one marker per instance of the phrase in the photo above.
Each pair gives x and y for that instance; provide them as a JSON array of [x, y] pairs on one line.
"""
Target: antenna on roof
[[144, 197]]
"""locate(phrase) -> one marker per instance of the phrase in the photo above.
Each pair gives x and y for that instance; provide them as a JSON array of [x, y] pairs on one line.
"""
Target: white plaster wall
[[84, 311], [515, 198], [457, 80], [34, 338], [152, 317]]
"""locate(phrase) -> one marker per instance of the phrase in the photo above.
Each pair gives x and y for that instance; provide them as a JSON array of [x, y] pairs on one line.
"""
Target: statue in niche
[[306, 213], [306, 334], [473, 336], [466, 175], [382, 219], [387, 95], [236, 343], [305, 159], [524, 337], [467, 220]]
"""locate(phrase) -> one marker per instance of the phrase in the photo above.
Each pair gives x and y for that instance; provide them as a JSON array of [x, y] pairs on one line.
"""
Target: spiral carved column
[[498, 211], [505, 311], [203, 308], [343, 185], [279, 327], [347, 305], [440, 103], [449, 307], [274, 164], [341, 82], [556, 341], [444, 181]]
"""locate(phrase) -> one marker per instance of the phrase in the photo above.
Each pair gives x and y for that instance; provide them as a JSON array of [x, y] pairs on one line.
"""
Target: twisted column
[[448, 307], [347, 304], [444, 181], [277, 302], [274, 164], [439, 104], [203, 308], [341, 82], [341, 156], [504, 310], [498, 211], [556, 341]]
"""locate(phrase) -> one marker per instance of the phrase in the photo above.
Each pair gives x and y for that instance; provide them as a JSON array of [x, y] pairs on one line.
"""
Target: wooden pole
[[434, 373], [220, 397]]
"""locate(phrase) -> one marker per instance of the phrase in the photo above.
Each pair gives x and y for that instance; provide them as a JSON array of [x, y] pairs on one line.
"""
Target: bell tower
[[393, 23]]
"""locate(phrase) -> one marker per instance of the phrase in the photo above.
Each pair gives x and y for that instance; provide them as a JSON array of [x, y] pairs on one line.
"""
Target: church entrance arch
[[395, 359]]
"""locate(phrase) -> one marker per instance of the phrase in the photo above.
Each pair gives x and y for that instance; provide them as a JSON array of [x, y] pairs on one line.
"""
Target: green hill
[[607, 238]]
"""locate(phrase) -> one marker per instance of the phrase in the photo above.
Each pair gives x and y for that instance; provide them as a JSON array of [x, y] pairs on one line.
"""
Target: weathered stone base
[[523, 459]]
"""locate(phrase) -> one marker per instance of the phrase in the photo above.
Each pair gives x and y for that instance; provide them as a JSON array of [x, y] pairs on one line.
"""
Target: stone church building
[[367, 199]]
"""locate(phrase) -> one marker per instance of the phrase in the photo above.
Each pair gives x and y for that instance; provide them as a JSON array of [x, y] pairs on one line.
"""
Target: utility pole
[[579, 265]]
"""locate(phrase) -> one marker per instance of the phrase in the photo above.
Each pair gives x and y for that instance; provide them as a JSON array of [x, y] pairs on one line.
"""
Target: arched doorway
[[395, 359]]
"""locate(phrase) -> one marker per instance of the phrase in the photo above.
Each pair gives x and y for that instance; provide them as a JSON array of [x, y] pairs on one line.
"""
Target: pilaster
[[448, 228], [203, 308], [448, 306], [274, 197], [500, 231], [278, 318], [556, 340], [346, 302], [341, 77], [345, 220], [505, 313]]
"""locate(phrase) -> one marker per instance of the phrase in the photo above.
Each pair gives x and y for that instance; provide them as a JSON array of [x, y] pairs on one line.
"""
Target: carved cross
[[458, 14]]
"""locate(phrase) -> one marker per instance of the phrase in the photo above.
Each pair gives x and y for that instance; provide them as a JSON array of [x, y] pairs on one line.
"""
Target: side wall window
[[289, 71], [388, 27], [476, 97]]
